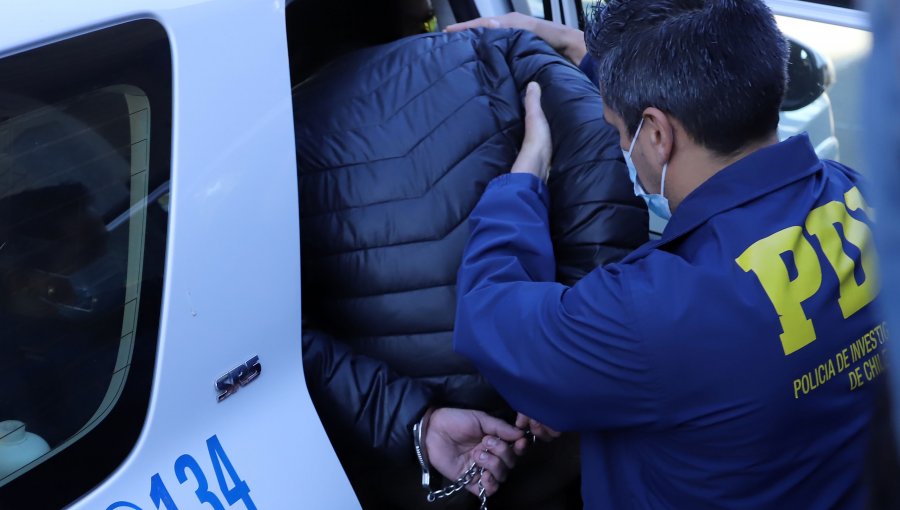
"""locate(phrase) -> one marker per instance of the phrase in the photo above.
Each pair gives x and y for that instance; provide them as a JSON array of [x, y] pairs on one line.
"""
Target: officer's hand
[[534, 158], [509, 20], [538, 429], [455, 438], [569, 42]]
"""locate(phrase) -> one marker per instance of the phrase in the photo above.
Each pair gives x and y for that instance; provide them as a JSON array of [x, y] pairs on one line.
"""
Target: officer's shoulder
[[839, 169]]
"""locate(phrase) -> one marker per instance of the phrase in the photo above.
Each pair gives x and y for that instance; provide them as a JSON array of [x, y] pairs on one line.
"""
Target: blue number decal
[[186, 462], [241, 491], [225, 475], [159, 493]]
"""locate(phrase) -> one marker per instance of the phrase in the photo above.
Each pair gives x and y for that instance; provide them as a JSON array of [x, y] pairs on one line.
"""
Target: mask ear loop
[[634, 140], [662, 184]]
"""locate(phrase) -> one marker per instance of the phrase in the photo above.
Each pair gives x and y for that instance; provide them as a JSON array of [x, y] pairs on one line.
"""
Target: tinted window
[[84, 168]]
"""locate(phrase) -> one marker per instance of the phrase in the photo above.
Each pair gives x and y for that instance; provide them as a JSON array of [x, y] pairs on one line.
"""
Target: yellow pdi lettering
[[822, 223], [764, 259], [856, 202]]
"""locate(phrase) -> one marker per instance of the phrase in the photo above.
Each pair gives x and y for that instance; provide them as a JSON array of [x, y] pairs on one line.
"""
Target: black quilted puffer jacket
[[395, 145]]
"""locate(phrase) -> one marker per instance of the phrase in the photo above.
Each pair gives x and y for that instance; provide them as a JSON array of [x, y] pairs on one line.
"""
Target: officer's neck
[[694, 164]]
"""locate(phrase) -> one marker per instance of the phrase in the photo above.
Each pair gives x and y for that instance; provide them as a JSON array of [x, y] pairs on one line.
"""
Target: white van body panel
[[232, 283]]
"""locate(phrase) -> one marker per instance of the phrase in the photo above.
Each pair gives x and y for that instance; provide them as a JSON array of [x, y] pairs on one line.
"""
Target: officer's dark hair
[[718, 66]]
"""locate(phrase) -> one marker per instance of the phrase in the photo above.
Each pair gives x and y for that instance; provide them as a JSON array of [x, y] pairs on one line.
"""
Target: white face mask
[[657, 203]]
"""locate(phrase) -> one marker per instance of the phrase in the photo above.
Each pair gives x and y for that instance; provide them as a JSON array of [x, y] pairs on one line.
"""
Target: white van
[[149, 247]]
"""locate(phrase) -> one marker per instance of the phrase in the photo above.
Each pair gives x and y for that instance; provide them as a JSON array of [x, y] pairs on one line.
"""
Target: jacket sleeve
[[566, 356], [362, 403], [595, 218]]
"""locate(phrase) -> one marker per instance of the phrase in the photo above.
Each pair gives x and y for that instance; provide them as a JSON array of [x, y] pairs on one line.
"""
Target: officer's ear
[[661, 132]]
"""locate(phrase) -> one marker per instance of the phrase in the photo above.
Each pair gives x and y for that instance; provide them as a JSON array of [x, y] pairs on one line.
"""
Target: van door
[[149, 262]]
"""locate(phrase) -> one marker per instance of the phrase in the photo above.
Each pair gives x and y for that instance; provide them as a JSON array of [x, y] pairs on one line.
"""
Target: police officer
[[731, 363]]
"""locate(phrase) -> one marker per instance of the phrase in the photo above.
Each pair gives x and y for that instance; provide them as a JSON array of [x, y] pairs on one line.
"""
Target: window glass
[[530, 7], [70, 264], [83, 198]]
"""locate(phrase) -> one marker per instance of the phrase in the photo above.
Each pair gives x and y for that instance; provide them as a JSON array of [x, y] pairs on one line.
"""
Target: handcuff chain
[[465, 479], [482, 492]]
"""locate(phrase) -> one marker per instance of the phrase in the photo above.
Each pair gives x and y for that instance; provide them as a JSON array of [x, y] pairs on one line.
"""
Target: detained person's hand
[[534, 158], [455, 438], [538, 429], [568, 42]]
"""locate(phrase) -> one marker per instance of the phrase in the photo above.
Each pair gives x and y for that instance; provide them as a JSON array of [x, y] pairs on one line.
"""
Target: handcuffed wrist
[[419, 430]]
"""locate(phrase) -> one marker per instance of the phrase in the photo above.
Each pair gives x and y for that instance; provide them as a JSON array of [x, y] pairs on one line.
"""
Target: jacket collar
[[751, 177]]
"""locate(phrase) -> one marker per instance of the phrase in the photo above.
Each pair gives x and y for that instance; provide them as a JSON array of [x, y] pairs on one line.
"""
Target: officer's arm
[[566, 356]]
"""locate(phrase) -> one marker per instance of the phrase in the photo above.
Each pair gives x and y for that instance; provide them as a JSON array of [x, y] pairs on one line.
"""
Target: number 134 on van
[[186, 467]]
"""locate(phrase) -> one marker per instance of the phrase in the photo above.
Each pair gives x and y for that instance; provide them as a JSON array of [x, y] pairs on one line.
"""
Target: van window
[[84, 169]]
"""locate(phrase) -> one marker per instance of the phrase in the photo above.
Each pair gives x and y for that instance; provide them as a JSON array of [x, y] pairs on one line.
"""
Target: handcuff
[[465, 479], [421, 454]]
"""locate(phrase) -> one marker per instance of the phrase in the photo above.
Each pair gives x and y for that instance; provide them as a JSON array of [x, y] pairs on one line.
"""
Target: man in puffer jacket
[[395, 144]]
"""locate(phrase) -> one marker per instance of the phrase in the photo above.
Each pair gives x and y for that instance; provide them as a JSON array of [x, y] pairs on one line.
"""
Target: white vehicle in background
[[149, 247]]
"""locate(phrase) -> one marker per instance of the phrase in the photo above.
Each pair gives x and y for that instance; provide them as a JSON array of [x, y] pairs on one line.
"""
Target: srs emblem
[[240, 375]]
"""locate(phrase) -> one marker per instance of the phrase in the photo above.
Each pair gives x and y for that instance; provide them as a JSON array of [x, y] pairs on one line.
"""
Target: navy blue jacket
[[730, 364], [395, 145]]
